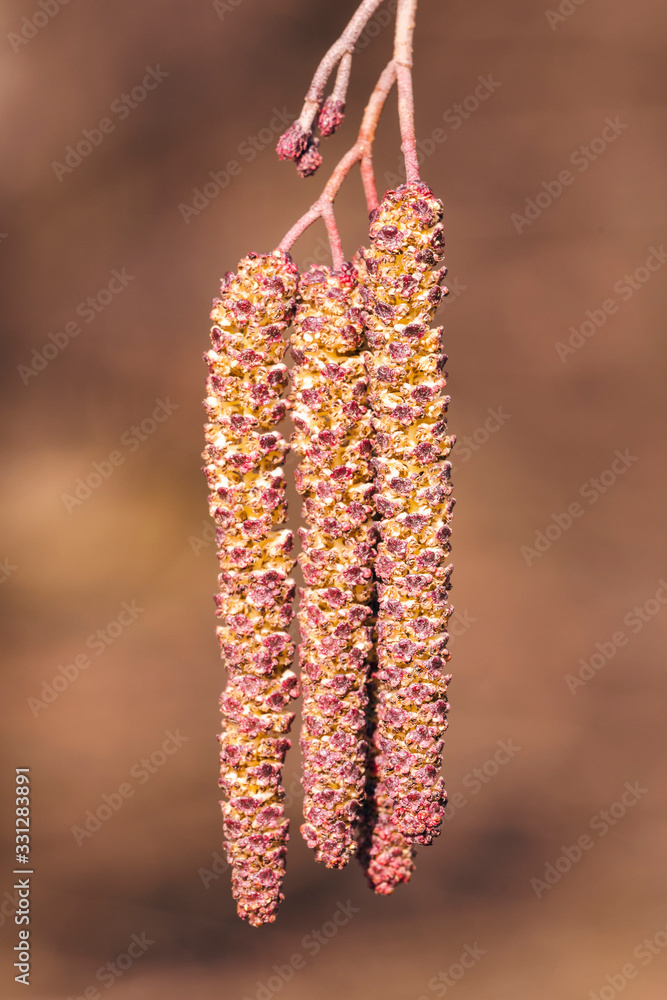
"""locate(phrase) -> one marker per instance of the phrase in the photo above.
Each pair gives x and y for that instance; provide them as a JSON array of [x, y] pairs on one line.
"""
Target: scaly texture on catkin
[[386, 855], [332, 437], [243, 458], [413, 500]]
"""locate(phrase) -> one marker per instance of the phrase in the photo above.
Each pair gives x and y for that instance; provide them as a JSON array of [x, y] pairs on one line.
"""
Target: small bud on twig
[[293, 142], [331, 116], [310, 160]]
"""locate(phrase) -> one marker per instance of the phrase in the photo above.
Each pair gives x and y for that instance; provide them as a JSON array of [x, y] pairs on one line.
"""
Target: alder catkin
[[332, 437], [243, 465], [386, 855], [413, 500]]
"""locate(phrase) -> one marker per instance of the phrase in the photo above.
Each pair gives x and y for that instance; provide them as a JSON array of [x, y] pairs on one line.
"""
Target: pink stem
[[334, 237], [405, 26], [345, 43], [367, 132], [339, 92], [368, 180]]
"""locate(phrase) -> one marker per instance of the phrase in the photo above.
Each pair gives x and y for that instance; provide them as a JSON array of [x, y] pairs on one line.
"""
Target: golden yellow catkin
[[413, 500], [332, 437], [243, 458]]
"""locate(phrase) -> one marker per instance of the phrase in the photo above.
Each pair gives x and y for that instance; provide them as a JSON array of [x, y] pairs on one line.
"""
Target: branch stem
[[398, 71], [361, 151]]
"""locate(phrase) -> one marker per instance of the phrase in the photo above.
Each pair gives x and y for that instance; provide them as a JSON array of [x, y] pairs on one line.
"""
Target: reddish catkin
[[243, 465], [335, 478], [386, 856], [413, 500]]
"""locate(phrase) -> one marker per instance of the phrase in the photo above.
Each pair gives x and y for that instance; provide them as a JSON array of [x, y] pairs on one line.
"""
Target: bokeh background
[[525, 621]]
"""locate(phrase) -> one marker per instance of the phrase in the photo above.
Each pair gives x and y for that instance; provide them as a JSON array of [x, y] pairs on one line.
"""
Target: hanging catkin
[[335, 478], [413, 500], [243, 465], [386, 855]]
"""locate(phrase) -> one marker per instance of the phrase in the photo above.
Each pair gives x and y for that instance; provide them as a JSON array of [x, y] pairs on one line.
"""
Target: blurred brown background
[[222, 74]]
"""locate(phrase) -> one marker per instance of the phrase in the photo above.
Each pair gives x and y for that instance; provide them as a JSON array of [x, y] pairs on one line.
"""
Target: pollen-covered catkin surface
[[332, 437], [243, 458], [386, 855], [413, 499]]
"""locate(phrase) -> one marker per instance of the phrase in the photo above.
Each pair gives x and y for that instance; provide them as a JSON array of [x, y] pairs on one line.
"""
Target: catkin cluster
[[370, 430]]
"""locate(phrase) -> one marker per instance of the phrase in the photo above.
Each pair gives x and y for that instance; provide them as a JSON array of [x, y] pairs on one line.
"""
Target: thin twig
[[345, 43], [335, 243], [368, 128], [368, 181], [405, 26], [339, 92]]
